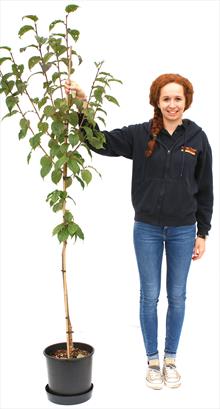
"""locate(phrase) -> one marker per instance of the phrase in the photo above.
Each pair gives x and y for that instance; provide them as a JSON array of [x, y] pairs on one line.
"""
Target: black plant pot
[[69, 380]]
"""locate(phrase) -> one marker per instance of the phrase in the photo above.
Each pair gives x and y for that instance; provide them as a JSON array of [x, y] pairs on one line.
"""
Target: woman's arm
[[204, 196], [118, 142]]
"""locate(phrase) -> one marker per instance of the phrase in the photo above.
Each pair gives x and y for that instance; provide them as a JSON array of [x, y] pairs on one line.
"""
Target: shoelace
[[171, 371], [154, 373]]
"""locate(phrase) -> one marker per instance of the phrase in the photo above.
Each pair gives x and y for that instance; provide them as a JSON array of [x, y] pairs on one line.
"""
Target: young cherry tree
[[61, 127]]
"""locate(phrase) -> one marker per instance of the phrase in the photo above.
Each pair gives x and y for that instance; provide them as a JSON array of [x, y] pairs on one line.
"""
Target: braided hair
[[157, 121]]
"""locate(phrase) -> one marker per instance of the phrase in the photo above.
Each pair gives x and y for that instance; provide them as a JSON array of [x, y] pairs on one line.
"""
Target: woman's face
[[172, 102]]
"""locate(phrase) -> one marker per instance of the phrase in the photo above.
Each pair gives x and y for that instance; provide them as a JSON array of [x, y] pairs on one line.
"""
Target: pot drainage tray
[[69, 399]]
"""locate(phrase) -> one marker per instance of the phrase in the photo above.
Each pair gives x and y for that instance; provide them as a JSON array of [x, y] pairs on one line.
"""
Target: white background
[[138, 40]]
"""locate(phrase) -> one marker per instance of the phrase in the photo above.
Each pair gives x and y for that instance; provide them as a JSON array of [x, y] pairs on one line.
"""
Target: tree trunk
[[69, 331]]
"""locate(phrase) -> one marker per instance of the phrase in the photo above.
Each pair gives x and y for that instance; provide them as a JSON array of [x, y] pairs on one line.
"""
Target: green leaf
[[86, 176], [64, 148], [74, 34], [46, 165], [63, 195], [115, 80], [72, 228], [43, 127], [31, 17], [89, 133], [73, 118], [56, 176], [90, 116], [58, 206], [6, 76], [57, 75], [55, 149], [61, 162], [58, 228], [41, 40], [101, 119], [63, 234], [28, 46], [52, 25], [77, 102], [65, 61], [60, 50], [60, 103], [71, 8], [4, 59], [56, 45], [11, 102], [10, 114], [22, 134], [98, 140], [99, 91], [21, 86], [29, 157], [7, 86], [44, 171], [17, 69], [68, 181], [42, 102], [105, 81], [35, 140], [73, 139], [102, 110], [73, 166], [47, 57], [57, 128], [53, 197], [105, 73], [68, 217], [24, 30], [24, 124], [110, 98], [76, 156], [80, 181], [35, 100], [5, 48], [80, 233], [59, 35], [33, 61], [45, 161], [49, 110]]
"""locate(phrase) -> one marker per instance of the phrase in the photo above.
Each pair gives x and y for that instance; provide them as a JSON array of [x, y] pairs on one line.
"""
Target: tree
[[62, 128]]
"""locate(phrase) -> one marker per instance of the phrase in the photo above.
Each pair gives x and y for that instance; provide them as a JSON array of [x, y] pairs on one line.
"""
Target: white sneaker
[[171, 377], [154, 378]]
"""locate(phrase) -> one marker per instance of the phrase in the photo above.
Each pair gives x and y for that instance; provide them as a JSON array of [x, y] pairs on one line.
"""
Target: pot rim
[[71, 359]]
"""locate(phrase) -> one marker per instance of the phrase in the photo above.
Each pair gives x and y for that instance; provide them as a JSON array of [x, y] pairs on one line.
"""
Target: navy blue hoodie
[[174, 186]]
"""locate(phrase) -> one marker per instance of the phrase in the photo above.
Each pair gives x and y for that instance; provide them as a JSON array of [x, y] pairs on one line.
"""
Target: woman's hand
[[72, 86], [199, 248]]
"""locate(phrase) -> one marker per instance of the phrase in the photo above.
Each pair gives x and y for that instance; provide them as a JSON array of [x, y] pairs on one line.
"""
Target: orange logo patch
[[189, 149]]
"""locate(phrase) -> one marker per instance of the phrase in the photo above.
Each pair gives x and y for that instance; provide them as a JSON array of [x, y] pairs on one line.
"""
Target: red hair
[[157, 121]]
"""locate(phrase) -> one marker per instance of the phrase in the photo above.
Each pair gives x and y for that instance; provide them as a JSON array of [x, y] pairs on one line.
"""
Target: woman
[[172, 195]]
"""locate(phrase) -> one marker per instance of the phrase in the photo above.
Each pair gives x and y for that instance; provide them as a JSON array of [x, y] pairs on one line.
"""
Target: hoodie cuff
[[202, 236]]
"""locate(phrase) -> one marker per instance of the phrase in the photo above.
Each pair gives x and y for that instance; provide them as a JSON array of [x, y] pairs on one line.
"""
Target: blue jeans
[[149, 241]]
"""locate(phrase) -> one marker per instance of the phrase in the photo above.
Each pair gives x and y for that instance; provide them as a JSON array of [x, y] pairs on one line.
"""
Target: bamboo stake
[[69, 331]]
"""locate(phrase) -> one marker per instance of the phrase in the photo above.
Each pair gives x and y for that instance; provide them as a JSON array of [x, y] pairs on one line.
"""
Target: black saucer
[[68, 399]]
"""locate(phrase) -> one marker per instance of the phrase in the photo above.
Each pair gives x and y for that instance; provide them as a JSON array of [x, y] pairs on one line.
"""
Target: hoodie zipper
[[167, 167]]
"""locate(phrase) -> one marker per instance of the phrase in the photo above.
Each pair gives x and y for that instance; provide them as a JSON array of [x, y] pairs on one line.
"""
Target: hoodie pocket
[[178, 199], [145, 196]]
